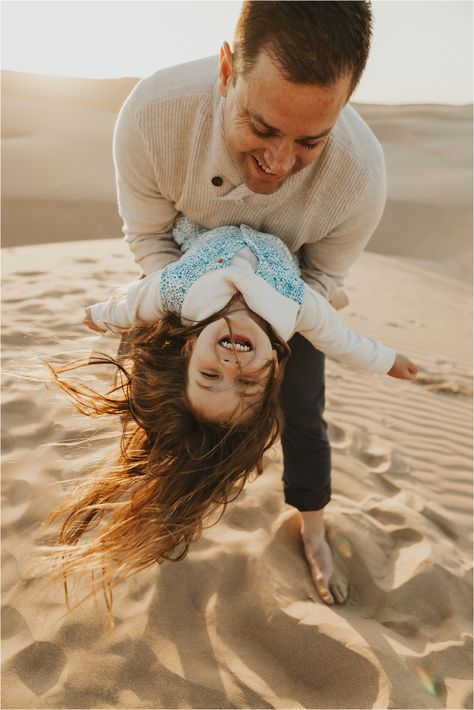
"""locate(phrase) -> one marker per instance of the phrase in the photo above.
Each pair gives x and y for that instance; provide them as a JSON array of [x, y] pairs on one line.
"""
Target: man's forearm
[[153, 251]]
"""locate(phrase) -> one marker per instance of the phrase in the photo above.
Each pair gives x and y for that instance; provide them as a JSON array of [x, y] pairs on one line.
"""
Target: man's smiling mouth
[[264, 167], [266, 171]]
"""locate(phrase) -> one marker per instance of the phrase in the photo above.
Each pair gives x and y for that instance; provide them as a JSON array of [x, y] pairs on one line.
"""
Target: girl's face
[[225, 381]]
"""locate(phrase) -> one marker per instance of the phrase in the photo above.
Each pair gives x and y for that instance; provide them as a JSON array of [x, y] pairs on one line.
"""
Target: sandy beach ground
[[237, 624]]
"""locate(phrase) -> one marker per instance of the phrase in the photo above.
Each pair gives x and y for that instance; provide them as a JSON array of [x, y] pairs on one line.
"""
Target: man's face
[[274, 128]]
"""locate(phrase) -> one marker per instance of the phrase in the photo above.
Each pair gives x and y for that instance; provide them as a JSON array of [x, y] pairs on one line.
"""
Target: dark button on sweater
[[217, 181]]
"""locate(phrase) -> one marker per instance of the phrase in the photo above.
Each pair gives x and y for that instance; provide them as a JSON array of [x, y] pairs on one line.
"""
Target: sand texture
[[237, 624]]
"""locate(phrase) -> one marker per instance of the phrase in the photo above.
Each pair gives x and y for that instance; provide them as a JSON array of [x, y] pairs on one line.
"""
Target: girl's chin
[[241, 320]]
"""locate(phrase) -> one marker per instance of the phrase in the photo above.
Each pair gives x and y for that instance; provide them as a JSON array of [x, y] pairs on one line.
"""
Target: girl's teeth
[[226, 344]]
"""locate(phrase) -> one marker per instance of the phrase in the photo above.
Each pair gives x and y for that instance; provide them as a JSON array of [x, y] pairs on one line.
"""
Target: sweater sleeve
[[137, 303], [320, 323], [147, 215], [326, 263]]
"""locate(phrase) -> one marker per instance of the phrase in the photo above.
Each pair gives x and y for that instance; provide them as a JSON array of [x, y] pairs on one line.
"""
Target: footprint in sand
[[404, 537], [18, 492], [12, 622], [372, 451], [10, 571], [404, 628], [445, 380], [39, 666], [378, 456], [386, 486], [247, 518], [78, 635], [338, 436], [386, 516], [17, 411]]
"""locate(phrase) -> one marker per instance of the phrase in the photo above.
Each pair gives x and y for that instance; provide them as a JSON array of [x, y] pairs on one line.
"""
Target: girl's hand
[[339, 300], [403, 368], [87, 320]]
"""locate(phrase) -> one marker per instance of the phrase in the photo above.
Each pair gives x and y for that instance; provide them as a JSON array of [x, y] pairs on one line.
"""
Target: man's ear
[[225, 68]]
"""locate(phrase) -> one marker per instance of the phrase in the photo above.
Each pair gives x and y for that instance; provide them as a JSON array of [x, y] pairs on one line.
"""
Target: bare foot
[[330, 582]]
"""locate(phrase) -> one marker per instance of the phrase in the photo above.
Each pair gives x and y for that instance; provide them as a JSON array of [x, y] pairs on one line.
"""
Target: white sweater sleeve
[[137, 303], [319, 323], [147, 215]]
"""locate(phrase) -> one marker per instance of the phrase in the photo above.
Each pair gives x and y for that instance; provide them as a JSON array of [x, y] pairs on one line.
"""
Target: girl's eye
[[208, 375]]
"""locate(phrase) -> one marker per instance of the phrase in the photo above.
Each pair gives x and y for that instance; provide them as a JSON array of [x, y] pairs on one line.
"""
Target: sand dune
[[237, 623], [57, 156]]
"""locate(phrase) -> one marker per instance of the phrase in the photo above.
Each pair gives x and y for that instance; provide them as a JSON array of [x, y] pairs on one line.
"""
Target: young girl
[[198, 394], [215, 266]]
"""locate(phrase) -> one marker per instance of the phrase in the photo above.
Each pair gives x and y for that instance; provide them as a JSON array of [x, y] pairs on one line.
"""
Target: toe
[[325, 594], [340, 589]]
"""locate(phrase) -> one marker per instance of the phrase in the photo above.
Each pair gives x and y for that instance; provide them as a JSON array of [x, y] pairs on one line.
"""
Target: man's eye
[[261, 134], [312, 146]]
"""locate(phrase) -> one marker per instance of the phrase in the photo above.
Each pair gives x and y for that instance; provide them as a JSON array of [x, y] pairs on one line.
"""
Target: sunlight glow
[[422, 49]]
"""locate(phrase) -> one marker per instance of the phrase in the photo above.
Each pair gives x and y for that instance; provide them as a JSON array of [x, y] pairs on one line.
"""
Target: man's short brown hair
[[311, 42]]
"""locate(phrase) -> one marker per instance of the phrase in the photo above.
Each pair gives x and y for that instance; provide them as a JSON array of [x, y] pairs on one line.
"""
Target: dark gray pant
[[305, 443]]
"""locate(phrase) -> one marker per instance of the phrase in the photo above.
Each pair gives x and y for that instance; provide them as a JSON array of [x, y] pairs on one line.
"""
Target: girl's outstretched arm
[[138, 303], [319, 322]]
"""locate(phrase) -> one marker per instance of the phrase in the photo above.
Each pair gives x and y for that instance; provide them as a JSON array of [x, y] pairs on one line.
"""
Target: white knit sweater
[[169, 144], [140, 303]]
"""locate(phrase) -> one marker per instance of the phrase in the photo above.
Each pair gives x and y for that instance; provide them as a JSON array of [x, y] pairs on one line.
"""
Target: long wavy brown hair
[[174, 471]]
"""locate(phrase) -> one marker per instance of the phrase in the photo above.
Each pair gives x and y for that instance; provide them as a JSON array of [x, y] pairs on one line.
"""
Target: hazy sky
[[422, 49]]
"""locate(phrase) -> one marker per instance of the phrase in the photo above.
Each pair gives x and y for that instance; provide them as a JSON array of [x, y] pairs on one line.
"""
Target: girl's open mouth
[[240, 343]]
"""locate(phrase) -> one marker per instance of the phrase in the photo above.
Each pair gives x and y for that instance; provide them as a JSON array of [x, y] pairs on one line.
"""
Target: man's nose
[[280, 157]]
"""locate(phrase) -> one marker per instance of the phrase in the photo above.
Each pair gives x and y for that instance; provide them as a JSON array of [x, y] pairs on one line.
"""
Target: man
[[273, 144]]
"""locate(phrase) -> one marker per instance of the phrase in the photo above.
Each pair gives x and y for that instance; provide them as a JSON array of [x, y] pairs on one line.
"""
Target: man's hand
[[403, 368], [339, 300], [87, 320]]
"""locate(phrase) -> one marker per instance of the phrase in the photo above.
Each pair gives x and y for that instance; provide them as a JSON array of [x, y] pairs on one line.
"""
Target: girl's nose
[[230, 361]]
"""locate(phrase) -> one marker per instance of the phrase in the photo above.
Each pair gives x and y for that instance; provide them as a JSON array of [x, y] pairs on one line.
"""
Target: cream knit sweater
[[169, 144]]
